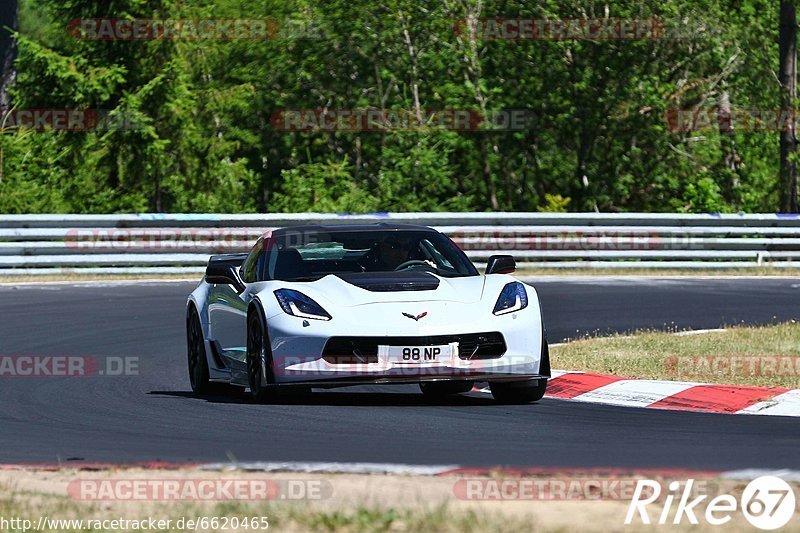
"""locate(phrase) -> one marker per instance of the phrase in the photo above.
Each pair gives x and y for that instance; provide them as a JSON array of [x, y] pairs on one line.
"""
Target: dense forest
[[201, 117]]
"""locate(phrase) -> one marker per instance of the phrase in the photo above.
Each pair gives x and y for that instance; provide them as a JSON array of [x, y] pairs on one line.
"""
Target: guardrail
[[182, 243]]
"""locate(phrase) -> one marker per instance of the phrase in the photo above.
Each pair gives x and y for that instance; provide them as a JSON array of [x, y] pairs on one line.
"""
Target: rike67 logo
[[767, 502]]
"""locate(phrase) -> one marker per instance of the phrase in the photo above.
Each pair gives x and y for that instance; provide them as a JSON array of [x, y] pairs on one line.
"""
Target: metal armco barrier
[[182, 243]]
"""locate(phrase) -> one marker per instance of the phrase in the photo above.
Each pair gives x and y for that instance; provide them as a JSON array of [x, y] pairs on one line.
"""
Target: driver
[[392, 252]]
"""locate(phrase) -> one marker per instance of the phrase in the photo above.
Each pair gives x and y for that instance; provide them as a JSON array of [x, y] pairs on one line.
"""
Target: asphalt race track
[[153, 416]]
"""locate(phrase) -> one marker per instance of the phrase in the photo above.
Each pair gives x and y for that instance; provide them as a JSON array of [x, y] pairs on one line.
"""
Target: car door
[[228, 309]]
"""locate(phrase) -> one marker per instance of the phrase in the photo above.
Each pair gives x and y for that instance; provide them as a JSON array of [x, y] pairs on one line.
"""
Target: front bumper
[[298, 350], [330, 383]]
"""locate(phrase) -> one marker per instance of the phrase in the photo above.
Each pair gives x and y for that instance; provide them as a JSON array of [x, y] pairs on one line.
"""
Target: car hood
[[350, 290]]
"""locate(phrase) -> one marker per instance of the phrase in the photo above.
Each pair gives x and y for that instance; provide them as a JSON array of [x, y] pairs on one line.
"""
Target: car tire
[[438, 389], [196, 353], [258, 353], [518, 392]]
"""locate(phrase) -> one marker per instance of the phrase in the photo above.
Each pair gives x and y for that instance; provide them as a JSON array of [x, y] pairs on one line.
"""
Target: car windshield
[[310, 255]]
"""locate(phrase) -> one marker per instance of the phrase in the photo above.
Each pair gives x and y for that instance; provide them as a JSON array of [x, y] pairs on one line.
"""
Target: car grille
[[349, 350]]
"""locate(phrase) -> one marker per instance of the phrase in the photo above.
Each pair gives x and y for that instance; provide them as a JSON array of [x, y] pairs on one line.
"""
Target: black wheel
[[259, 367], [256, 357], [517, 392], [196, 348], [438, 389]]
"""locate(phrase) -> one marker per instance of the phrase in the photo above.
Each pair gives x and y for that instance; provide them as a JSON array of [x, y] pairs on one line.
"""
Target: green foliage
[[322, 188], [554, 203], [203, 139]]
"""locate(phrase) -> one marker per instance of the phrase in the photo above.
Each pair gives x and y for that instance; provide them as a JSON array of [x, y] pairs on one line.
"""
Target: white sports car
[[331, 306]]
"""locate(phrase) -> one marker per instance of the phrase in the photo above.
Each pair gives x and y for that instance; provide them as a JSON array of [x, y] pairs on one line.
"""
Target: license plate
[[419, 354]]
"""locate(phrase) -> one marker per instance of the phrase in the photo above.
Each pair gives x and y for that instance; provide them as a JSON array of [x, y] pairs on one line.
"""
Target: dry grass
[[358, 503], [764, 356]]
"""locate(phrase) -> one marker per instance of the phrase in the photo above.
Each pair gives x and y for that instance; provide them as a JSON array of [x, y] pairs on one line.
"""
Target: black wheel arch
[[256, 308], [544, 363]]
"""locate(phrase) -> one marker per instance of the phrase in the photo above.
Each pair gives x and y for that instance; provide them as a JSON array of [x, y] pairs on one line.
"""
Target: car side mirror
[[501, 264], [224, 273]]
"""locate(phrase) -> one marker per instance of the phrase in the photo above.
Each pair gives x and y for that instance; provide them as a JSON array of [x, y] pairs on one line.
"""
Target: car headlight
[[512, 298], [297, 304]]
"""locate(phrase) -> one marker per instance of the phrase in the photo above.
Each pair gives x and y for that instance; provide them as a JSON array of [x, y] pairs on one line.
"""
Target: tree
[[788, 80], [597, 139], [8, 50]]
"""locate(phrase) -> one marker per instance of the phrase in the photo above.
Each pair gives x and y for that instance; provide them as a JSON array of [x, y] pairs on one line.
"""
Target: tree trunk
[[787, 41], [730, 155], [473, 73], [8, 53], [487, 175], [8, 48]]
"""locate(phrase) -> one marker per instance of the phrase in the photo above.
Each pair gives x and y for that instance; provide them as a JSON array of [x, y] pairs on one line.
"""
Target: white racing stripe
[[786, 404], [633, 393], [429, 470], [689, 332], [333, 468], [753, 473]]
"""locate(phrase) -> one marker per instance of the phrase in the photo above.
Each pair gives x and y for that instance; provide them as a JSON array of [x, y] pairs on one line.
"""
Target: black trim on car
[[471, 346], [392, 281]]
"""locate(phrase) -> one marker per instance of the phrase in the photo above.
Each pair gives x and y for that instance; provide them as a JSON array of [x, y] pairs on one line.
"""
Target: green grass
[[658, 355]]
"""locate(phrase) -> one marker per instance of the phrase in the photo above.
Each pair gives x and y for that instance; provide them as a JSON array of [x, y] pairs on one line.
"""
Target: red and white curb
[[672, 395]]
